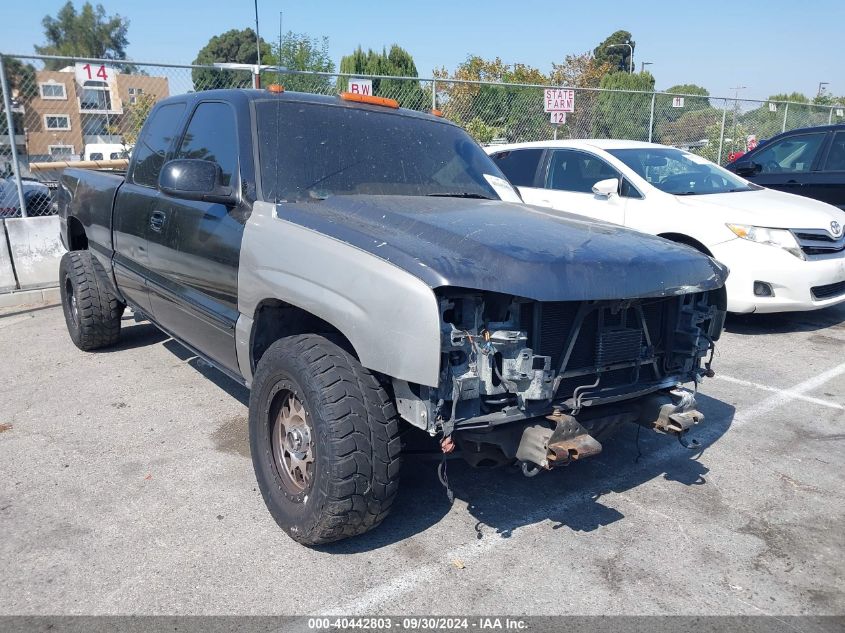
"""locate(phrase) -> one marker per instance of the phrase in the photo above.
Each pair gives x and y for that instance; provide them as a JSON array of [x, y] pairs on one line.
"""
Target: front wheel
[[92, 310], [324, 438]]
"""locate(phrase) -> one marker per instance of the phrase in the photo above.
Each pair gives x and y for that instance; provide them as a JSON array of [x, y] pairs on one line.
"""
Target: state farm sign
[[558, 100]]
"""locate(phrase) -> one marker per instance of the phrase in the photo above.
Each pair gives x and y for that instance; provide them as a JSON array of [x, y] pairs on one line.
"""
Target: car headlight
[[773, 237]]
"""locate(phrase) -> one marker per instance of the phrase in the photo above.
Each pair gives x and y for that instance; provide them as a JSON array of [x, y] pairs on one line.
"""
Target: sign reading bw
[[361, 86]]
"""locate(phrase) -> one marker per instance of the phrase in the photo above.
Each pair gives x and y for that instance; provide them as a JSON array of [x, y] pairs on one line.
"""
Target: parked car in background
[[37, 196], [785, 252], [809, 162]]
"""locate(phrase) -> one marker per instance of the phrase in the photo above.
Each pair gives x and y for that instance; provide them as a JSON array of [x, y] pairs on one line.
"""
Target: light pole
[[643, 65], [631, 58]]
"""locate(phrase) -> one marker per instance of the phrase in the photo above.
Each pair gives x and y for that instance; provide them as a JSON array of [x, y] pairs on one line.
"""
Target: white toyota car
[[785, 252]]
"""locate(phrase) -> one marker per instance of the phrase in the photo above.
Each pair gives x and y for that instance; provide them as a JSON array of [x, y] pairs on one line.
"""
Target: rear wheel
[[92, 310], [324, 437]]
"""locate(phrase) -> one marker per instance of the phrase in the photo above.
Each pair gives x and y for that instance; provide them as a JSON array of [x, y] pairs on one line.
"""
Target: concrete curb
[[30, 297]]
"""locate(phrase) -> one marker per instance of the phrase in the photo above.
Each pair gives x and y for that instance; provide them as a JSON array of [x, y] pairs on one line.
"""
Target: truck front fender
[[390, 317]]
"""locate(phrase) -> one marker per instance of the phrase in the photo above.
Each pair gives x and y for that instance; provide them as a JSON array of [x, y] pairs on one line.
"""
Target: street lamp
[[631, 58], [643, 65]]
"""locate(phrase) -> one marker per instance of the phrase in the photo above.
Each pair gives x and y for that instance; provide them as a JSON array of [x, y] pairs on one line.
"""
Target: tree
[[87, 33], [512, 112], [580, 71], [624, 114], [619, 57], [300, 51], [234, 46], [684, 124], [134, 116], [397, 62]]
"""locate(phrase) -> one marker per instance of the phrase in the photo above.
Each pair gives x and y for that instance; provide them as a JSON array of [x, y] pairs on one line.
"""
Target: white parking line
[[790, 392], [785, 396]]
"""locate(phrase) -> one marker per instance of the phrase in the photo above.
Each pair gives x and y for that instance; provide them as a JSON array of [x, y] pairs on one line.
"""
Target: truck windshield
[[308, 152], [680, 173]]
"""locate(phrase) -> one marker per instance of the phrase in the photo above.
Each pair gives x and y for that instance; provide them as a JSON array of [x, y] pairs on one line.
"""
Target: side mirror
[[746, 168], [606, 188], [195, 179]]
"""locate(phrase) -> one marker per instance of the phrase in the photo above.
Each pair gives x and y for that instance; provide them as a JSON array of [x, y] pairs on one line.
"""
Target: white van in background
[[105, 151]]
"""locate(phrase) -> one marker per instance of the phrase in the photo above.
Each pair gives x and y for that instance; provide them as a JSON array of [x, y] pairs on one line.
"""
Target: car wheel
[[324, 437], [92, 311]]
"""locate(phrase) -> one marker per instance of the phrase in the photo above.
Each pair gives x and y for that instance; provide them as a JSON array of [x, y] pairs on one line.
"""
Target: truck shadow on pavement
[[503, 500], [786, 322]]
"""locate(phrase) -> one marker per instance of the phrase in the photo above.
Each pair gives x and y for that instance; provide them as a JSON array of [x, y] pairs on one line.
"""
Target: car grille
[[829, 291], [818, 242]]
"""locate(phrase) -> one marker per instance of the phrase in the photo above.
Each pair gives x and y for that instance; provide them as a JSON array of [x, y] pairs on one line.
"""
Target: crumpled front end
[[542, 382]]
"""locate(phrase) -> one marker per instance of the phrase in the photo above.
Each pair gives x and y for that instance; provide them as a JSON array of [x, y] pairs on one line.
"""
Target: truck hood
[[766, 207], [509, 247]]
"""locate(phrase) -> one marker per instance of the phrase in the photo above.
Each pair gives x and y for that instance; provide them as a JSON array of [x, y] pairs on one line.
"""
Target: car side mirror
[[747, 168], [195, 179], [606, 188]]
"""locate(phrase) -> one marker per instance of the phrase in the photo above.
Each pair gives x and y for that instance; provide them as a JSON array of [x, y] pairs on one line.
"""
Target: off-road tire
[[356, 444], [95, 322]]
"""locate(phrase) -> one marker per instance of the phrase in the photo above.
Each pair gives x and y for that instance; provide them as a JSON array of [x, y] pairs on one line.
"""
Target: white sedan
[[785, 252]]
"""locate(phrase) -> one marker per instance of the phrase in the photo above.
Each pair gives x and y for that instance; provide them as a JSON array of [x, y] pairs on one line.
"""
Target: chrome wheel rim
[[293, 448]]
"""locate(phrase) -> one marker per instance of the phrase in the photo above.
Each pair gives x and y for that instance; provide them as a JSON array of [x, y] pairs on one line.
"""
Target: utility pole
[[736, 90]]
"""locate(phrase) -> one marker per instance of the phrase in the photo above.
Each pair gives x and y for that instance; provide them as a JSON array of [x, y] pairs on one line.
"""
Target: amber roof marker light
[[437, 112], [382, 101], [277, 88]]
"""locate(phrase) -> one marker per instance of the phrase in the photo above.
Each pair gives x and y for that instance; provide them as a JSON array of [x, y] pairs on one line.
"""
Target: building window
[[52, 91], [62, 152], [134, 93], [95, 96], [56, 121]]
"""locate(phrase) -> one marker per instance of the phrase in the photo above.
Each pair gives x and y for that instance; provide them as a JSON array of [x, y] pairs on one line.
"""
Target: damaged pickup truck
[[367, 270]]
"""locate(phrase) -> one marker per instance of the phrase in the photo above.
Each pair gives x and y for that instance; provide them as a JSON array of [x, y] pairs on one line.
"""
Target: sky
[[768, 47]]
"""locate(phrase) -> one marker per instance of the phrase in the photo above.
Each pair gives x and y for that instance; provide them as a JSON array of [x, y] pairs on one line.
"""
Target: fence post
[[722, 133], [434, 94], [651, 117], [785, 114], [830, 116], [10, 122]]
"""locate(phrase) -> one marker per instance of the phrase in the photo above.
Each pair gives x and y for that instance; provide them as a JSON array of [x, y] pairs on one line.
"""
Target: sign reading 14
[[88, 72]]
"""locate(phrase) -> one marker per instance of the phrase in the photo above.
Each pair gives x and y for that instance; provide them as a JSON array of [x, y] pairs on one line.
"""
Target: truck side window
[[211, 136], [153, 145], [519, 165]]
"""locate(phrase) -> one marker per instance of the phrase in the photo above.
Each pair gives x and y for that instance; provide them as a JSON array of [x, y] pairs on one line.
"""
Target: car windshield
[[309, 152], [681, 173]]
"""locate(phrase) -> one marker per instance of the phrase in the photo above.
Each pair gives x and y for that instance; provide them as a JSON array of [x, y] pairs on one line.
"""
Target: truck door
[[195, 247], [132, 221]]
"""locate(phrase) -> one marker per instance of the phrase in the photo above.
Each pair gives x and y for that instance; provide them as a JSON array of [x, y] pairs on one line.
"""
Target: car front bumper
[[791, 279]]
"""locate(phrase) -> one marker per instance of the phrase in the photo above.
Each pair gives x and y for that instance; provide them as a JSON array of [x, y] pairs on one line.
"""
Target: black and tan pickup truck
[[367, 270]]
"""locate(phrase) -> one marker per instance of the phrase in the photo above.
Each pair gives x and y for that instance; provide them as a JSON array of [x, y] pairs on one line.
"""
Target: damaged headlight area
[[542, 382]]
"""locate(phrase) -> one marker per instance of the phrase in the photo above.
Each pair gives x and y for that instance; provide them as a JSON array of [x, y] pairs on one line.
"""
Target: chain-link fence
[[65, 110]]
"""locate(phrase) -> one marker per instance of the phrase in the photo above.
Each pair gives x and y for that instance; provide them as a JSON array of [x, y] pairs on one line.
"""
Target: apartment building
[[81, 105]]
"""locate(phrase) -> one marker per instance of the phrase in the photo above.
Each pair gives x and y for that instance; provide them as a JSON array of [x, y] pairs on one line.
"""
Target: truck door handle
[[157, 221]]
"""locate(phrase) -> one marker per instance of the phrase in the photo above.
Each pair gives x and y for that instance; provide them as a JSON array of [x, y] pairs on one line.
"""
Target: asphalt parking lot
[[128, 488]]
